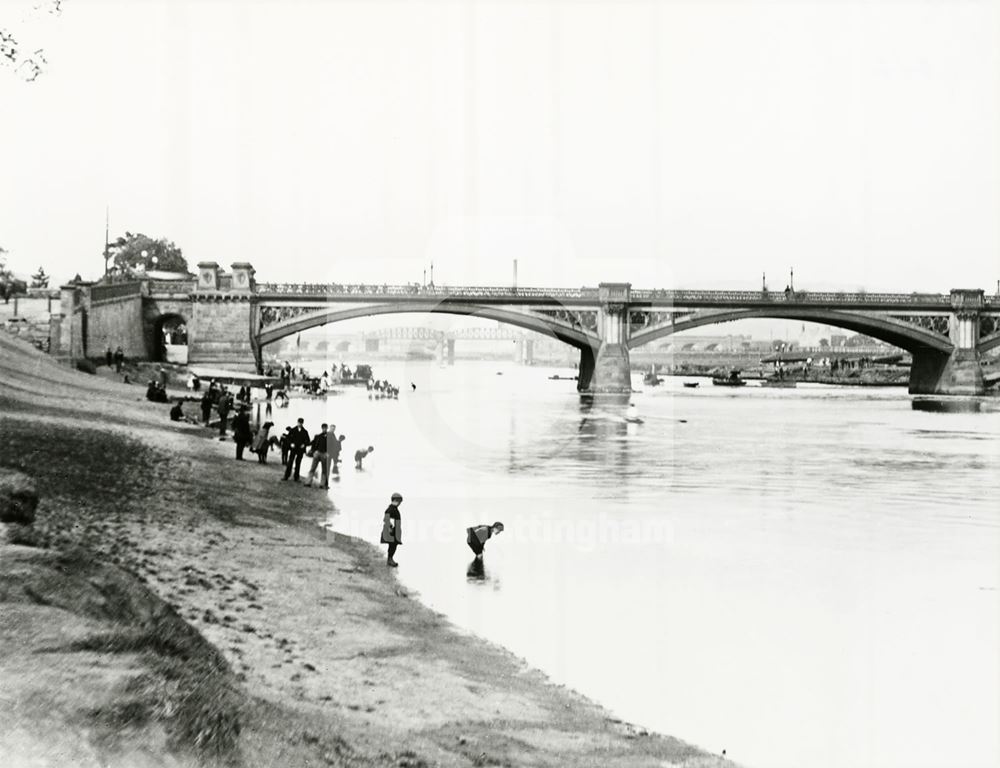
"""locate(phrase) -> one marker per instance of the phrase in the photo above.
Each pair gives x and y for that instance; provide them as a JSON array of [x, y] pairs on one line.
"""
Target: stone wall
[[117, 323], [219, 332]]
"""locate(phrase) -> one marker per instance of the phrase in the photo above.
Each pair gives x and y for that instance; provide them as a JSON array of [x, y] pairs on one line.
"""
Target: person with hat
[[298, 441], [477, 535], [392, 528], [319, 450], [242, 433]]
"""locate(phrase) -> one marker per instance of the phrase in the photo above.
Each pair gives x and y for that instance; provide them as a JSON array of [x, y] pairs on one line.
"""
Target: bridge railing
[[824, 298], [421, 291], [655, 295], [171, 286], [114, 291]]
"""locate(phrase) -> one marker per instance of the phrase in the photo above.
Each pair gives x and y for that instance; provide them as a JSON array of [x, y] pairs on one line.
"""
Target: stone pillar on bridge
[[958, 373], [612, 369], [220, 329]]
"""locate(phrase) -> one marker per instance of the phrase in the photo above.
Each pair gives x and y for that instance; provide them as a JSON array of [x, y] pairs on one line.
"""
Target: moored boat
[[691, 384], [732, 380]]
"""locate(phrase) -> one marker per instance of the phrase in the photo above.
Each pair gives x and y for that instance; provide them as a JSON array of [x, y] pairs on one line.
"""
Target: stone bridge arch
[[899, 333]]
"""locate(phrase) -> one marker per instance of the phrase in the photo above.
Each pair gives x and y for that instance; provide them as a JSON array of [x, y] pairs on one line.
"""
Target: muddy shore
[[150, 540]]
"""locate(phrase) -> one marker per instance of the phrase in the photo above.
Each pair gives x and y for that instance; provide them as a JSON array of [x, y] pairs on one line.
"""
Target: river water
[[800, 577]]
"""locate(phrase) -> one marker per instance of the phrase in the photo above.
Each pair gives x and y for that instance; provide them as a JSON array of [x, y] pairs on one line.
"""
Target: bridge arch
[[896, 332], [169, 330], [989, 343], [537, 323]]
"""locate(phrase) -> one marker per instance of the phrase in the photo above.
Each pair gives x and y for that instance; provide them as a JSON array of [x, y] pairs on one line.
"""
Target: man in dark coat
[[392, 528], [298, 441], [242, 432], [477, 535], [283, 444], [206, 408], [319, 451], [225, 404]]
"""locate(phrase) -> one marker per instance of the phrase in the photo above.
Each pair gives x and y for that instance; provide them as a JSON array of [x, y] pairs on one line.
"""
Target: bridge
[[444, 341], [231, 318]]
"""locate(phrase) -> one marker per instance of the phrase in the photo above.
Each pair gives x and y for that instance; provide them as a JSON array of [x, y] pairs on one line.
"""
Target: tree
[[40, 279], [824, 343], [137, 253], [9, 285], [26, 64]]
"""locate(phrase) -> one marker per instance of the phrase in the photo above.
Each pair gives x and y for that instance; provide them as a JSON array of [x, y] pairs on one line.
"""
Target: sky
[[666, 144]]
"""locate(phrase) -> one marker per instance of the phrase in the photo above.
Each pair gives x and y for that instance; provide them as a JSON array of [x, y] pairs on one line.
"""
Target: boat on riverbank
[[362, 375], [732, 380]]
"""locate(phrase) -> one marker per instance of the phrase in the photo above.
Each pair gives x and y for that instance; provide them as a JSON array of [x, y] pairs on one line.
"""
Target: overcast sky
[[669, 144]]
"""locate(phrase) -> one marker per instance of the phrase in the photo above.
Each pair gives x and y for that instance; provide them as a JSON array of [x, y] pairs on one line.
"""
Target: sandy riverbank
[[323, 659]]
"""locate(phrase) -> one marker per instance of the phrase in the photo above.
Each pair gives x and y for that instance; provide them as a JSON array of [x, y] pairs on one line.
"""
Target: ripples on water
[[800, 577]]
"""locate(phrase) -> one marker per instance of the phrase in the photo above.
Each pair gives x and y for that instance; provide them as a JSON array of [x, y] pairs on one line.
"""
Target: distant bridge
[[230, 318]]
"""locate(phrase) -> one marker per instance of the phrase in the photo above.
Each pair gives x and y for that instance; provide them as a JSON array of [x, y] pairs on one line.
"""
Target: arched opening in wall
[[170, 340]]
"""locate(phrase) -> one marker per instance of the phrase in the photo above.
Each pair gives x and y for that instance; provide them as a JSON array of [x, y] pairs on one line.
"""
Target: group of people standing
[[324, 449], [117, 358]]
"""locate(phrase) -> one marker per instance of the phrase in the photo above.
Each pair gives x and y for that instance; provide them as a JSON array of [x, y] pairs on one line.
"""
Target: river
[[798, 576]]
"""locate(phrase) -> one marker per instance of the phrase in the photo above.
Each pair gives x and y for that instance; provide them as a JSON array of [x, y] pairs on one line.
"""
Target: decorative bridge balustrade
[[657, 296], [423, 291]]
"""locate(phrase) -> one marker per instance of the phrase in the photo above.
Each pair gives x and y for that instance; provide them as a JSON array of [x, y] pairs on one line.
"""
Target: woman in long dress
[[262, 441]]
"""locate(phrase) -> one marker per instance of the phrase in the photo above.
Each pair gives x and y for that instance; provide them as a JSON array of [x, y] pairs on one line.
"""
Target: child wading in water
[[359, 456], [392, 528], [477, 536]]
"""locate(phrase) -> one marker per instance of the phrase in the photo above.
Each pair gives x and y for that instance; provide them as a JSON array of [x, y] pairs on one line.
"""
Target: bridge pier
[[451, 351], [958, 373], [612, 367], [585, 371], [221, 324]]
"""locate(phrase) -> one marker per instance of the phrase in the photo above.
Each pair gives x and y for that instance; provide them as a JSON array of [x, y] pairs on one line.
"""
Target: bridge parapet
[[660, 296], [682, 297], [423, 291], [170, 287], [114, 291]]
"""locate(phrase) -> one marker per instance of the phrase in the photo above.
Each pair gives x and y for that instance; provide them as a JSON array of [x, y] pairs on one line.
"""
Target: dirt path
[[333, 662]]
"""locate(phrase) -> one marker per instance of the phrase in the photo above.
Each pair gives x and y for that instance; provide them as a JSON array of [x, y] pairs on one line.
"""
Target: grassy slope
[[322, 658]]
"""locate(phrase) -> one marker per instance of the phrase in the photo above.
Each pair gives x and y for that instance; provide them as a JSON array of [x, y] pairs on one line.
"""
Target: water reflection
[[476, 570], [947, 404]]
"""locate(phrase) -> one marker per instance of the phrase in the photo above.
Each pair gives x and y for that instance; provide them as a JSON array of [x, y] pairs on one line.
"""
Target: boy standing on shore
[[392, 528]]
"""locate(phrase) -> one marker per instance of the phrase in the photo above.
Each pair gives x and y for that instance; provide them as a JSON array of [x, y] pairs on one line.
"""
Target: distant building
[[838, 340]]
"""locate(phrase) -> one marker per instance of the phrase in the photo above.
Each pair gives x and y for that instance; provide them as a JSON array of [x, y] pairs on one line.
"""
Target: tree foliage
[[136, 253], [40, 279], [9, 285], [27, 64]]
